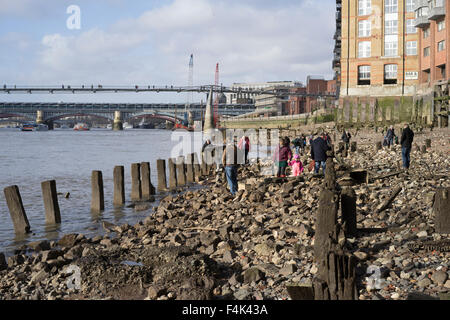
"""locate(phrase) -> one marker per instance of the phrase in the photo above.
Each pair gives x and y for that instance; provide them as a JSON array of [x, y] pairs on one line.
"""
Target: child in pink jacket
[[297, 165]]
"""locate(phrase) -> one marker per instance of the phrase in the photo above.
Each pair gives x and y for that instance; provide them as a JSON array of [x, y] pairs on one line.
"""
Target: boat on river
[[34, 127], [81, 127]]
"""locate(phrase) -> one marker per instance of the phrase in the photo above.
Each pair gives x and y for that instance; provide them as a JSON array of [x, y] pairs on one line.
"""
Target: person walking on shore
[[390, 135], [244, 145], [283, 154], [319, 150], [346, 139], [230, 163], [406, 142]]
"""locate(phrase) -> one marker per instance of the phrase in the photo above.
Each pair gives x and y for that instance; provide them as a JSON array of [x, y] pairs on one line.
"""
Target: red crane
[[216, 97]]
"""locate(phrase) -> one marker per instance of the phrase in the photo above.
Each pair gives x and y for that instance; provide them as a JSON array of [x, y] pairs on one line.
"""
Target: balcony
[[437, 13], [421, 22]]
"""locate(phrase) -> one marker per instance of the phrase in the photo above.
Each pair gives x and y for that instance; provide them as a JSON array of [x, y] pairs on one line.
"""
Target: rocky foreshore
[[206, 244]]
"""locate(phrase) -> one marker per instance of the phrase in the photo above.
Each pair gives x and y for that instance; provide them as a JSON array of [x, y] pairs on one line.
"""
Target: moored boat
[[81, 127]]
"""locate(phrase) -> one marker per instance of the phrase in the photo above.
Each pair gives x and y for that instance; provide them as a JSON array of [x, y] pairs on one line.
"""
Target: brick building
[[434, 33], [314, 85], [379, 48]]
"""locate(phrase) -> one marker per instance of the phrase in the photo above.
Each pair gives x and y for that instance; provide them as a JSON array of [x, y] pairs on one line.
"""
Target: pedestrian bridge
[[49, 112]]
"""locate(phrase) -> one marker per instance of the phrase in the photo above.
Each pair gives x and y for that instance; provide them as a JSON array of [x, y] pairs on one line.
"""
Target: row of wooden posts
[[182, 171]]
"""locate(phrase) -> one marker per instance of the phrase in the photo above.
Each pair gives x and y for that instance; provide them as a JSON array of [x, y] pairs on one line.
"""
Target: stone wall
[[382, 111]]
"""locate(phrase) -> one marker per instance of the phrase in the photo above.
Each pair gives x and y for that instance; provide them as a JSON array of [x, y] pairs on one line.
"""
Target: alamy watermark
[[74, 20], [263, 144]]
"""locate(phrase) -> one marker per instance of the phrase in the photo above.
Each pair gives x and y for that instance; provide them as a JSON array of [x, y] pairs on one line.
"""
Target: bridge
[[10, 89], [50, 112]]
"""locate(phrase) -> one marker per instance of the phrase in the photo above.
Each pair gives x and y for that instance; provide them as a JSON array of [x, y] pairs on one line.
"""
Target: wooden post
[[50, 196], [162, 180], [181, 172], [353, 146], [190, 168], [348, 205], [378, 146], [98, 199], [16, 210], [136, 188], [147, 188], [197, 168], [204, 166], [428, 143], [424, 149], [326, 222], [172, 174], [441, 209], [119, 186]]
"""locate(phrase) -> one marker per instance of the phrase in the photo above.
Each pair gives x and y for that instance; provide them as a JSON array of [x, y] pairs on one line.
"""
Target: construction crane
[[216, 97]]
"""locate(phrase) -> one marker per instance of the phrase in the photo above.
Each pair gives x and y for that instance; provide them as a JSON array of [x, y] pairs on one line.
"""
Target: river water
[[69, 157]]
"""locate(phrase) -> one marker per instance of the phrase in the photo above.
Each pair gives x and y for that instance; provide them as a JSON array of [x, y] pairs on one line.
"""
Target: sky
[[149, 42]]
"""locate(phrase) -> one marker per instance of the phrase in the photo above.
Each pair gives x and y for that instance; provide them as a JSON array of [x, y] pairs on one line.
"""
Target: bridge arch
[[26, 117], [162, 116], [79, 114]]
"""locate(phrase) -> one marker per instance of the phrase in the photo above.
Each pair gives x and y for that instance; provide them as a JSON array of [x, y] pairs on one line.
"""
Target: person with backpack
[[319, 150], [230, 163]]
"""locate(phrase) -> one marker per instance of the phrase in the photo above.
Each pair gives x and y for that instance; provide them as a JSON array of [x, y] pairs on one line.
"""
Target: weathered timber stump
[[353, 146], [197, 168], [172, 174], [136, 185], [162, 179], [16, 210], [378, 146], [348, 205], [424, 149], [441, 209], [147, 188], [340, 282], [428, 143], [98, 198], [119, 186], [181, 172], [50, 196], [190, 168]]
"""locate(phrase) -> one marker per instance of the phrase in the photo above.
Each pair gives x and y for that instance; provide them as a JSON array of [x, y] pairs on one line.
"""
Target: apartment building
[[433, 22], [379, 48]]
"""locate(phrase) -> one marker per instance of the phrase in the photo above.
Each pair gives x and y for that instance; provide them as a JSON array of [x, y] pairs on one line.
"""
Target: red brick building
[[314, 85]]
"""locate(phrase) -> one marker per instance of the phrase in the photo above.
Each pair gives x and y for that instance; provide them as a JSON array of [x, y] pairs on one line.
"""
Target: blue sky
[[148, 42]]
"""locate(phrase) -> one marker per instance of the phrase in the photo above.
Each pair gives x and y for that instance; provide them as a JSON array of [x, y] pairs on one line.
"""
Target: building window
[[390, 74], [441, 46], [437, 3], [390, 49], [422, 12], [364, 28], [364, 49], [411, 48], [426, 52], [410, 4], [364, 75], [426, 33], [364, 7], [441, 25], [391, 6], [410, 26], [391, 27]]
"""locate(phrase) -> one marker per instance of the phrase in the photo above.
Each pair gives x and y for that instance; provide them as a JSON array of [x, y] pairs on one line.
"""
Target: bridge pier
[[118, 124], [39, 117]]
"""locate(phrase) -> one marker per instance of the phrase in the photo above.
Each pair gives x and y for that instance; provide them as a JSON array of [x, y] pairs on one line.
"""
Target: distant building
[[314, 85]]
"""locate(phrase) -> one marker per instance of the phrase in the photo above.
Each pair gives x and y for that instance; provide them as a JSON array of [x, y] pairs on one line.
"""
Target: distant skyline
[[149, 42]]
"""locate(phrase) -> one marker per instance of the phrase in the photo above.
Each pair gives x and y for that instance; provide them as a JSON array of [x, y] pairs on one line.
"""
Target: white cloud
[[252, 42]]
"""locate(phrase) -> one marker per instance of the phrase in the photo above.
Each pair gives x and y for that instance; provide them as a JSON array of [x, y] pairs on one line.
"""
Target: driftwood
[[388, 175], [388, 202]]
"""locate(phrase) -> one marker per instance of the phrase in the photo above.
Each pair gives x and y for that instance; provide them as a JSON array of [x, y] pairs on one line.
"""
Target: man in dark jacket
[[319, 150], [406, 142]]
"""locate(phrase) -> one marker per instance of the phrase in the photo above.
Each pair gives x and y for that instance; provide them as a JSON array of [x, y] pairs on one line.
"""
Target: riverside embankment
[[205, 244]]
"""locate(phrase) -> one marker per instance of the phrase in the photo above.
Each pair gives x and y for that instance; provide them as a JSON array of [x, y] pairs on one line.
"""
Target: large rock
[[69, 240], [253, 275]]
